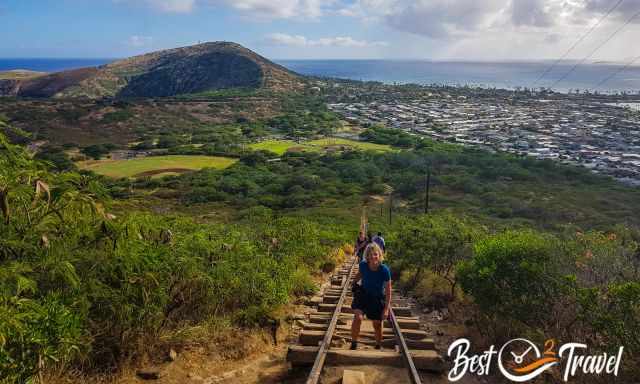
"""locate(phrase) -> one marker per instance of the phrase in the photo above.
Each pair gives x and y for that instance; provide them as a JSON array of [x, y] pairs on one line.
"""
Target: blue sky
[[317, 29]]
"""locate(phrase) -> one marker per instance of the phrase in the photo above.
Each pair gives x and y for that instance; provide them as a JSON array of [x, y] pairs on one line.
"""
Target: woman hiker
[[373, 297], [361, 244]]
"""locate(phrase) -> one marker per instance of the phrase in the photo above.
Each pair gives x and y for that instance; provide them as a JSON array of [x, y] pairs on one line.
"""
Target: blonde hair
[[373, 247]]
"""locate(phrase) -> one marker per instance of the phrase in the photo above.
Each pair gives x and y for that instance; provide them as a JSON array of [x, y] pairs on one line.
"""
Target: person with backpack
[[372, 298], [378, 239]]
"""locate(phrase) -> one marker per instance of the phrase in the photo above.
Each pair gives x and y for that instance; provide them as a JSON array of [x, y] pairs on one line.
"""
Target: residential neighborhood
[[587, 130]]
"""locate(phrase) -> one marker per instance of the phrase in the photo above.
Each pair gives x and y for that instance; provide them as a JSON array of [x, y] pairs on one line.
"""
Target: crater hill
[[193, 69]]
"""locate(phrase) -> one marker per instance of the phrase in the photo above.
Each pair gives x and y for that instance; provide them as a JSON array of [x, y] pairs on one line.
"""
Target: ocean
[[507, 75]]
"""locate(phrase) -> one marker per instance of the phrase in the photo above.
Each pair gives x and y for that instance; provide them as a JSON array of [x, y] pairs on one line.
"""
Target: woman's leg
[[377, 327], [355, 327]]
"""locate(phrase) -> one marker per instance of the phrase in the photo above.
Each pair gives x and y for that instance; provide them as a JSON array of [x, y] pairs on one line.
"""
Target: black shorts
[[372, 306]]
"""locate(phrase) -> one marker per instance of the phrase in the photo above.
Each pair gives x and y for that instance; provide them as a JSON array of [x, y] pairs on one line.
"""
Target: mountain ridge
[[182, 70]]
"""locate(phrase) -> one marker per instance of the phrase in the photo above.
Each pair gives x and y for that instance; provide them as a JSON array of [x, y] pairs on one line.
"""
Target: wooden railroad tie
[[403, 342], [428, 360]]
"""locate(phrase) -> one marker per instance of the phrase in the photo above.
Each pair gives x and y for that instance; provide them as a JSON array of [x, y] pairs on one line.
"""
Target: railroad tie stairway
[[404, 344]]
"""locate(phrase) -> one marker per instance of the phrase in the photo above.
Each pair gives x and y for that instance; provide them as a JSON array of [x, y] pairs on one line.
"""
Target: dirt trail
[[266, 363]]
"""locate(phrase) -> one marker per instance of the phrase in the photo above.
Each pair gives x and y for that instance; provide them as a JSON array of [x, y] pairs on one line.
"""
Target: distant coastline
[[508, 75]]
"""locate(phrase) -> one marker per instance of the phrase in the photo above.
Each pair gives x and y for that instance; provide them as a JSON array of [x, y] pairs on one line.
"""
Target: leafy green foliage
[[305, 116], [57, 157], [512, 275], [435, 242], [502, 189], [34, 333], [118, 116], [581, 288], [224, 94], [79, 284], [96, 151], [396, 137]]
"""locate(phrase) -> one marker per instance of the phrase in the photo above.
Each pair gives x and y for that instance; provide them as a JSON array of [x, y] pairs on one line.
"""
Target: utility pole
[[426, 191], [390, 207]]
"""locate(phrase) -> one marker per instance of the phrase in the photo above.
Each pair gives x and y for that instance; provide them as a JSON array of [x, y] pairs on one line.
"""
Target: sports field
[[282, 146], [331, 141], [155, 165], [275, 146]]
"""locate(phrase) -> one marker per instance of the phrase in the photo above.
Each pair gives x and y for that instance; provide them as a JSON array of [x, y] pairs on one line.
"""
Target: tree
[[96, 151], [437, 242]]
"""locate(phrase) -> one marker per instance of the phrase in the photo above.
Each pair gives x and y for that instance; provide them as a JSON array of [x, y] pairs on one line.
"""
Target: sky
[[484, 30]]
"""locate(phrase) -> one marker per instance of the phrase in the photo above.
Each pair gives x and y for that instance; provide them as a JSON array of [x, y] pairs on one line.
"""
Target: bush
[[513, 275], [57, 157], [35, 334], [302, 284], [96, 151]]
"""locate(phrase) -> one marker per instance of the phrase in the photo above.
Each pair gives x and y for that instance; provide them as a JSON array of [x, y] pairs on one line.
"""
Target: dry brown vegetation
[[85, 122]]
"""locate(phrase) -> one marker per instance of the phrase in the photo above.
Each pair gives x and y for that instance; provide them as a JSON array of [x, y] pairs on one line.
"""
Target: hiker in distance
[[378, 239], [373, 297], [361, 244]]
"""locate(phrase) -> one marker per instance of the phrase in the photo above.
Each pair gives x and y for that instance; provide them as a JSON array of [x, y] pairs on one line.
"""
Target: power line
[[614, 74], [597, 49], [577, 42]]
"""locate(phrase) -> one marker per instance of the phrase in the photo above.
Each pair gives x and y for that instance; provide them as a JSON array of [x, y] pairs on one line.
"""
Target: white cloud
[[441, 19], [623, 11], [139, 41], [262, 9], [339, 41], [441, 29], [284, 39], [369, 9], [531, 12], [176, 6], [282, 9]]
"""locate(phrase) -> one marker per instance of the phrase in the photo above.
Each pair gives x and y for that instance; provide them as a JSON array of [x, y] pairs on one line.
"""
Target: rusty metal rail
[[316, 370], [404, 350], [314, 376]]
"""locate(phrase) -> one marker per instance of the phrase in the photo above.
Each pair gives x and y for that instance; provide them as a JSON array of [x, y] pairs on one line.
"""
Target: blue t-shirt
[[373, 281]]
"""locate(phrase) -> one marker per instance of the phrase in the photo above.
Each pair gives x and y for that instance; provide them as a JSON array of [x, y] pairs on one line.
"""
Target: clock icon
[[520, 360]]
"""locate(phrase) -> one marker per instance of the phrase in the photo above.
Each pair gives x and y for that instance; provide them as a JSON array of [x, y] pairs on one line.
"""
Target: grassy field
[[331, 141], [275, 146], [282, 146], [19, 74], [155, 165]]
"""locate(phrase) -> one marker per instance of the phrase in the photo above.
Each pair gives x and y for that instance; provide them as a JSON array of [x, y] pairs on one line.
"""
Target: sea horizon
[[505, 74]]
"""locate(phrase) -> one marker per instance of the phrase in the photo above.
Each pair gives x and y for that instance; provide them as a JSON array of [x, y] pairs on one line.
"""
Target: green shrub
[[35, 334], [513, 275], [302, 284], [96, 151]]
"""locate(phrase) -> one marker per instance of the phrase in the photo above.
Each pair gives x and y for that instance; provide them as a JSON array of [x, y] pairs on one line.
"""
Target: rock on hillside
[[193, 69]]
